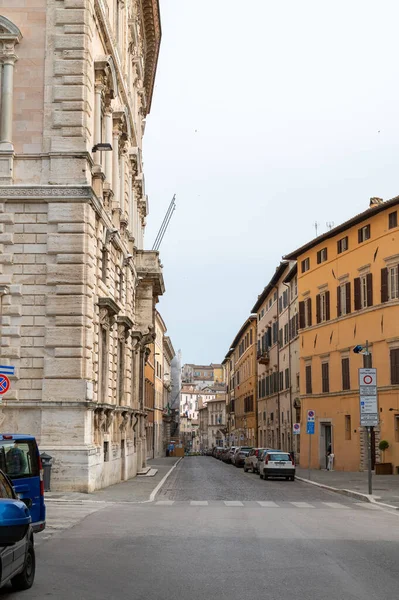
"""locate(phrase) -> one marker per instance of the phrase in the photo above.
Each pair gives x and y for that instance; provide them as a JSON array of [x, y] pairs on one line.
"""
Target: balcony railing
[[263, 357]]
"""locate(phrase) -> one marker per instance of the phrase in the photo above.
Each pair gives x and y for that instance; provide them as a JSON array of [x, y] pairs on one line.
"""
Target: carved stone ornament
[[149, 337], [136, 339], [99, 420], [10, 36], [109, 418], [108, 311], [125, 417], [124, 326]]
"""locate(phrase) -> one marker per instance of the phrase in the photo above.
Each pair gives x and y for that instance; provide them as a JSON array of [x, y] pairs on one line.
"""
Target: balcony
[[263, 357]]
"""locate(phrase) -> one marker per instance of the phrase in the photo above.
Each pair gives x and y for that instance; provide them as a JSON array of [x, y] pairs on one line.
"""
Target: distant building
[[202, 375]]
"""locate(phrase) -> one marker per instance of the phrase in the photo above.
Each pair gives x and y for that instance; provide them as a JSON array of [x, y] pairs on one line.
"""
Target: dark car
[[17, 554], [218, 452], [241, 456], [225, 456]]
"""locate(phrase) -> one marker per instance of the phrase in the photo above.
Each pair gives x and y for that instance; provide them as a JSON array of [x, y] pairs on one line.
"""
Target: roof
[[247, 323], [364, 216], [272, 283]]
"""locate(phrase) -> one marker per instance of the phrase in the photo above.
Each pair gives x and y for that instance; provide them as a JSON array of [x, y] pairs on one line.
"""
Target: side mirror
[[14, 521]]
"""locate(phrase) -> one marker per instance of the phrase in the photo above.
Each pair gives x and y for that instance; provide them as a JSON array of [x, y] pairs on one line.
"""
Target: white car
[[277, 464]]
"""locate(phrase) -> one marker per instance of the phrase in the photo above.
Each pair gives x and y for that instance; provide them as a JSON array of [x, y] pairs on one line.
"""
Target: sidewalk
[[138, 489], [385, 487]]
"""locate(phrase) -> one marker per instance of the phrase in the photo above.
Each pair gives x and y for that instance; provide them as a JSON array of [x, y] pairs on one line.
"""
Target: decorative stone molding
[[44, 192], [105, 71], [125, 417], [108, 311], [148, 338], [124, 326], [152, 33], [109, 418]]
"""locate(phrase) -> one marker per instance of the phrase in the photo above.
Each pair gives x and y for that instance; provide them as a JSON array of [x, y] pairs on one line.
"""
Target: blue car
[[20, 460], [17, 553]]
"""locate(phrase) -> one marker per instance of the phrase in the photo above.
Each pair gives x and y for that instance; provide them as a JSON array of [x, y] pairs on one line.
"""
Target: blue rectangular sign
[[310, 427], [7, 370]]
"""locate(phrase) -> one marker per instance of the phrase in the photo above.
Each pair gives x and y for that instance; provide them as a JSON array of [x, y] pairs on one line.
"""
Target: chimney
[[375, 202]]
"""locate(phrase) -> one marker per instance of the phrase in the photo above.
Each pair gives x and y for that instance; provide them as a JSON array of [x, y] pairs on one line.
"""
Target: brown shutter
[[384, 285], [359, 236], [327, 306], [348, 297], [369, 289], [339, 309], [301, 315], [310, 312], [318, 319], [357, 293], [395, 366]]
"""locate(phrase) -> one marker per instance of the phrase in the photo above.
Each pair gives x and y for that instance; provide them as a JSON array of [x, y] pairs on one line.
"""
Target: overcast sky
[[266, 117]]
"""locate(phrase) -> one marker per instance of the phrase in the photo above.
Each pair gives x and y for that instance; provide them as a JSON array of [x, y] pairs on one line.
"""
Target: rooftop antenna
[[316, 226], [330, 225], [165, 223]]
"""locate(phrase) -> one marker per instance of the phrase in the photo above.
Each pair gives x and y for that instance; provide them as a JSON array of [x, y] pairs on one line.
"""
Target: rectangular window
[[348, 427], [285, 299], [305, 313], [325, 378], [106, 451], [280, 337], [250, 337], [248, 404], [342, 245], [394, 356], [363, 291], [275, 332], [323, 307], [322, 255], [305, 265], [393, 282], [396, 428], [281, 381], [393, 219], [280, 304], [363, 234], [104, 264], [267, 386], [286, 336], [344, 299], [346, 385], [103, 367], [308, 378], [121, 370]]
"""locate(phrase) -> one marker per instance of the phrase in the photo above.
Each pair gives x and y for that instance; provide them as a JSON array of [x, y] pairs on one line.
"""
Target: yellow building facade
[[243, 409], [348, 291]]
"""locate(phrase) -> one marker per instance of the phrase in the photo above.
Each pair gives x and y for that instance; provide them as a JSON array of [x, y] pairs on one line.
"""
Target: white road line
[[199, 503], [268, 504], [233, 503], [335, 505], [302, 504], [160, 484], [165, 502]]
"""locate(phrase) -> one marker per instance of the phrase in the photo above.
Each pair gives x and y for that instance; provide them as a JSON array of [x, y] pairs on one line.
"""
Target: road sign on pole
[[310, 422], [296, 428], [7, 370], [368, 397], [4, 384]]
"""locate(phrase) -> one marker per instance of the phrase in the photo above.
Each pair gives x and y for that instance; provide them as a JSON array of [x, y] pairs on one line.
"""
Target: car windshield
[[278, 457]]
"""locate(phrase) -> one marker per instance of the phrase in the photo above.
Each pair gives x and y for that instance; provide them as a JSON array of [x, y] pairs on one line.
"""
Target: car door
[[7, 553]]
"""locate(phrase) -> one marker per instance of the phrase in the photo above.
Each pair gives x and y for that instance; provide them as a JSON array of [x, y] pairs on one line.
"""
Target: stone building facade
[[77, 82]]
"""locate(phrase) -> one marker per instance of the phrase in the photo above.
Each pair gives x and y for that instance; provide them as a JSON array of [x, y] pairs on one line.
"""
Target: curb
[[160, 484], [350, 493]]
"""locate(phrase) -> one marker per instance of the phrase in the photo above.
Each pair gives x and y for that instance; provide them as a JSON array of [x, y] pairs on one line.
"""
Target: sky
[[267, 117]]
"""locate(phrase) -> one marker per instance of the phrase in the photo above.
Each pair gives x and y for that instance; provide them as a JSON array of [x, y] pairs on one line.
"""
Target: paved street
[[214, 531]]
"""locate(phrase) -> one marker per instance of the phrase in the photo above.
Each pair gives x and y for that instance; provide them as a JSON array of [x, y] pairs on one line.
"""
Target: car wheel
[[25, 579], [266, 477], [292, 478], [260, 475]]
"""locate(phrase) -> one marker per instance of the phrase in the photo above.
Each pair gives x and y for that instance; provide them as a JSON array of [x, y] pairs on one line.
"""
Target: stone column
[[98, 90], [130, 195], [122, 186], [108, 140], [7, 84]]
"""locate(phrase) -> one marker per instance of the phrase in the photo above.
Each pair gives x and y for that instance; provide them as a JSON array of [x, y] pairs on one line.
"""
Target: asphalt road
[[215, 532]]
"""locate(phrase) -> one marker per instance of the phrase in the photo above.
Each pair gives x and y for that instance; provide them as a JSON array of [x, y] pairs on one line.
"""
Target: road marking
[[268, 504], [165, 502], [335, 505], [233, 503], [367, 505], [302, 504], [199, 503], [160, 484]]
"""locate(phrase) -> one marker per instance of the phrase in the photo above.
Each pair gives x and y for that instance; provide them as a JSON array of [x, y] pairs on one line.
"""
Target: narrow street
[[214, 531]]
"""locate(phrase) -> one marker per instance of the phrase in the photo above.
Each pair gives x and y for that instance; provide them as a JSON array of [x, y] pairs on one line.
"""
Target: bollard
[[47, 464]]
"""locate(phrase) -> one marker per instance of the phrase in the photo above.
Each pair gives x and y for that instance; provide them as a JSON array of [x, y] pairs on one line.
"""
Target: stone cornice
[[43, 192], [153, 33]]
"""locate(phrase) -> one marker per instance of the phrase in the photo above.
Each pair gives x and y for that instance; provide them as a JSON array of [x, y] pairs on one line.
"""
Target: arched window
[[10, 36]]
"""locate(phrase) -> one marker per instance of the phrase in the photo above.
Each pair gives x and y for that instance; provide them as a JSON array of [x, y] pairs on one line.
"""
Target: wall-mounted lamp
[[396, 409], [102, 148]]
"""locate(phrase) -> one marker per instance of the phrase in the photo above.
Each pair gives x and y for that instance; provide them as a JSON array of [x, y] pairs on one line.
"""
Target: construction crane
[[165, 223]]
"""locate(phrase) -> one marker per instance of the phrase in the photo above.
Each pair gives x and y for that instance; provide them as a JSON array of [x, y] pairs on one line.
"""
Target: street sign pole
[[367, 363], [310, 455], [310, 427]]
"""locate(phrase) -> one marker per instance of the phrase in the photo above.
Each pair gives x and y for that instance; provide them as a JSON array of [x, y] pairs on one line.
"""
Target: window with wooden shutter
[[394, 355], [301, 315], [369, 279], [384, 285], [393, 282], [318, 308], [364, 234], [356, 285], [348, 297], [287, 379], [327, 297], [309, 312], [345, 374], [339, 309], [308, 378], [393, 219], [325, 378]]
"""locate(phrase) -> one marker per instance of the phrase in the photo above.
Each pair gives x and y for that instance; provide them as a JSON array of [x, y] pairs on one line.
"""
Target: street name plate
[[368, 397]]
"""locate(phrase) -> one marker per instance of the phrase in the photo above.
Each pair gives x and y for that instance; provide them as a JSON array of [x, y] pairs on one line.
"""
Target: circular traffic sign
[[296, 426], [310, 413], [4, 384], [367, 379]]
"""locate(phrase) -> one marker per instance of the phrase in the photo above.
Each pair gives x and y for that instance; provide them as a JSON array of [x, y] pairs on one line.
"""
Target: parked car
[[277, 464], [229, 454], [240, 457], [237, 450], [225, 456], [261, 453], [17, 553], [251, 461], [20, 460], [218, 452]]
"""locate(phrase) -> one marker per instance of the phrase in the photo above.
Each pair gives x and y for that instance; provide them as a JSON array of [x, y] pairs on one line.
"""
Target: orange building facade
[[243, 409], [348, 292]]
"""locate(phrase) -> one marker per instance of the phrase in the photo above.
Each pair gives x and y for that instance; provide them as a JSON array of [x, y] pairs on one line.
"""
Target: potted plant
[[383, 468]]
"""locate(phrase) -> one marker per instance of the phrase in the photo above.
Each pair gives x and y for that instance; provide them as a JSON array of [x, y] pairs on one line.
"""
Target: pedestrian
[[328, 454]]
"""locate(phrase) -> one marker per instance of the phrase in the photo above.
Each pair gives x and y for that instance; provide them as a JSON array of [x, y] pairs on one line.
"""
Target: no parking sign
[[296, 428]]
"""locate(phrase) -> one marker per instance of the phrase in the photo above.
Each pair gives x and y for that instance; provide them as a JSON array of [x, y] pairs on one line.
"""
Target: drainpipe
[[289, 367], [278, 372]]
